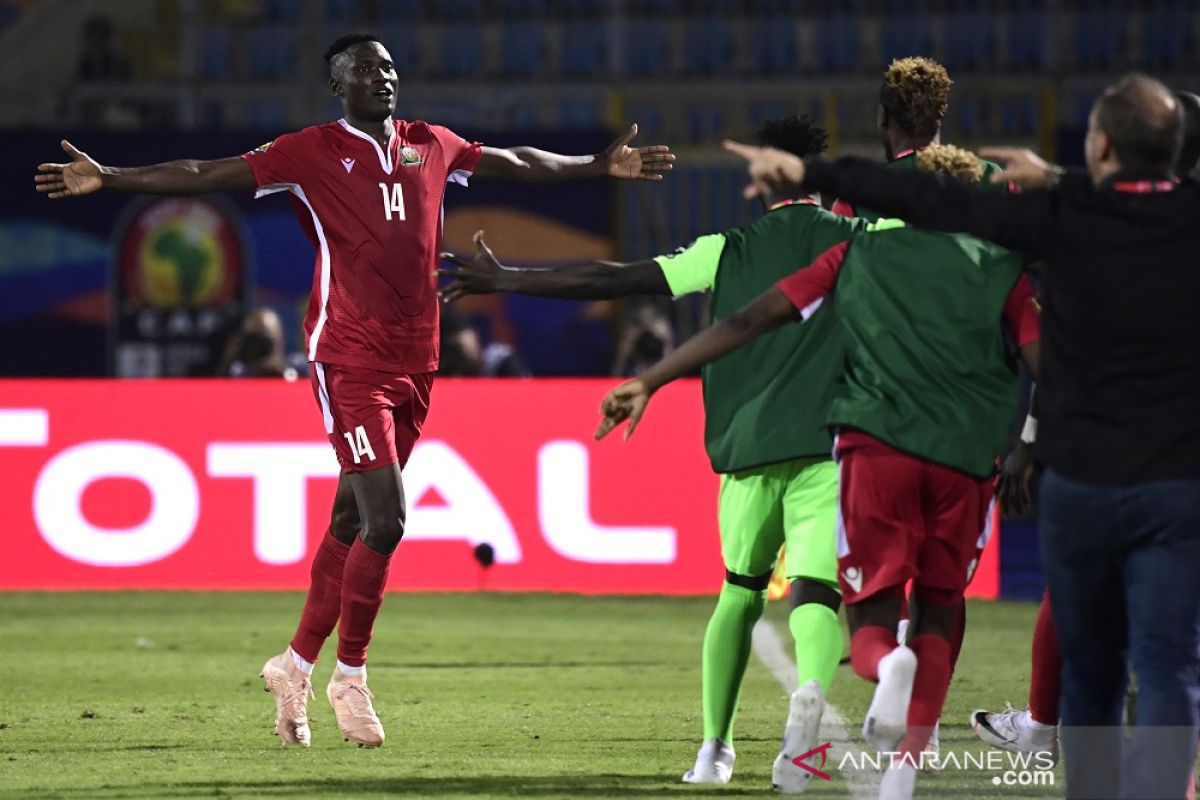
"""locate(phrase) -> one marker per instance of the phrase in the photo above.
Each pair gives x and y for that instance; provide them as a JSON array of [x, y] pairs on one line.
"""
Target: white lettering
[[564, 511], [24, 427], [174, 509], [471, 511], [393, 201], [280, 473]]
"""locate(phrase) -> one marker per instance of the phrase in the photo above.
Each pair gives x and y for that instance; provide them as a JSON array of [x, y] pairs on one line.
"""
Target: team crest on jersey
[[409, 156]]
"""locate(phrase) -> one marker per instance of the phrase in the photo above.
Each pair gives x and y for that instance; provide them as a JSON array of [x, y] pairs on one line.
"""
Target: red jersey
[[375, 219]]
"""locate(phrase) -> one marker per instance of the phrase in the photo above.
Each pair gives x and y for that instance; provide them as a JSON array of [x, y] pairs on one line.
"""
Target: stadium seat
[[461, 50], [403, 41], [704, 121], [581, 114], [585, 49], [283, 10], [512, 9], [267, 116], [459, 9], [344, 13], [271, 51], [707, 46], [773, 44], [217, 51], [648, 48], [523, 52], [837, 42], [1165, 34], [391, 10]]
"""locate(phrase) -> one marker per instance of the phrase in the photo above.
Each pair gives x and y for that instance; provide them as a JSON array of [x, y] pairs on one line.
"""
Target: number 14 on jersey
[[393, 201]]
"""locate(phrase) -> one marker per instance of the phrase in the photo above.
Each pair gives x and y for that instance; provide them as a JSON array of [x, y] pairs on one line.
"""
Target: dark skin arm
[[83, 175], [619, 160], [593, 280], [768, 311]]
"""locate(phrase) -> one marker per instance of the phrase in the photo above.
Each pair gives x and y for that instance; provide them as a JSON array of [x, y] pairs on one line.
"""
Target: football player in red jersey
[[367, 189]]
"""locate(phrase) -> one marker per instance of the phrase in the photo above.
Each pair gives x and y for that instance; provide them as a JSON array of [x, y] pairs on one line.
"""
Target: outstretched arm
[[1025, 222], [592, 280], [768, 311], [619, 160], [83, 175]]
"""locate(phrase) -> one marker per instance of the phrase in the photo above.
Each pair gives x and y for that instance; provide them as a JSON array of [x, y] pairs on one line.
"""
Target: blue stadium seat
[[648, 117], [283, 10], [837, 42], [707, 46], [344, 12], [514, 8], [585, 49], [905, 34], [389, 10], [587, 7], [267, 116], [217, 52], [705, 122], [403, 41], [271, 51], [1165, 34], [459, 9], [1028, 37], [773, 44], [648, 48], [1099, 37], [581, 114], [524, 49], [461, 50]]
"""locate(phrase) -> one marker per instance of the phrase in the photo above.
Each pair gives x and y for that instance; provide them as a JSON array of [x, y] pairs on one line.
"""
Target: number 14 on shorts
[[359, 444]]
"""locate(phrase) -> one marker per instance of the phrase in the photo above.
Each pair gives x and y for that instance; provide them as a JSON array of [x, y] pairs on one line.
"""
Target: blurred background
[[122, 285]]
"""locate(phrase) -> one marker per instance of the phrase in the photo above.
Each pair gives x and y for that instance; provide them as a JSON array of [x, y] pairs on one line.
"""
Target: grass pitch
[[155, 695]]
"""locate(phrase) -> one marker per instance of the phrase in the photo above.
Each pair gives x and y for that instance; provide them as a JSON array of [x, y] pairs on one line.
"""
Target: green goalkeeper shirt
[[766, 402]]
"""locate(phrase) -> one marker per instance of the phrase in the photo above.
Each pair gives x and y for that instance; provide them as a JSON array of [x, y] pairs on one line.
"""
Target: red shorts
[[903, 518], [373, 418]]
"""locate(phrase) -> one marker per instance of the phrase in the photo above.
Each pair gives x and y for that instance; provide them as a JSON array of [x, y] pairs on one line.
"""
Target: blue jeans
[[1123, 565]]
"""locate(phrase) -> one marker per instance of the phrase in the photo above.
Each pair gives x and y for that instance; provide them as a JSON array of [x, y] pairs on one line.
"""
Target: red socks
[[1045, 684], [363, 581], [869, 644], [956, 639], [323, 605], [930, 685]]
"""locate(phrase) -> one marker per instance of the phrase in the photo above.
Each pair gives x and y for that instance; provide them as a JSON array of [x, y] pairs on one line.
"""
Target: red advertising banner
[[218, 484]]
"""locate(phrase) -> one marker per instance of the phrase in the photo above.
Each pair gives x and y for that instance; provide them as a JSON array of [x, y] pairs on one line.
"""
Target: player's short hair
[[344, 43], [950, 160], [1144, 132], [916, 93], [1189, 154], [797, 134]]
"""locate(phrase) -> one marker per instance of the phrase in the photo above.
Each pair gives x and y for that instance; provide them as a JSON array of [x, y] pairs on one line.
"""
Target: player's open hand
[[637, 163], [80, 177], [768, 168], [626, 402], [1012, 490], [483, 274], [1022, 167]]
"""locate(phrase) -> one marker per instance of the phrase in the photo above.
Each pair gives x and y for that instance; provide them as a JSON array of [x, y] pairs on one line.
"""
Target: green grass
[[148, 695]]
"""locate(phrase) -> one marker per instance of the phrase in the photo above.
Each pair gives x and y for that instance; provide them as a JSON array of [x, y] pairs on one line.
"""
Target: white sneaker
[[897, 781], [931, 759], [887, 718], [1015, 731], [799, 737], [714, 763]]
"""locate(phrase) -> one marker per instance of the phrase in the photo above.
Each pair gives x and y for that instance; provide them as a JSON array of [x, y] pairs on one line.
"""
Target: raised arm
[[766, 312], [619, 160], [1024, 222], [83, 175], [592, 280]]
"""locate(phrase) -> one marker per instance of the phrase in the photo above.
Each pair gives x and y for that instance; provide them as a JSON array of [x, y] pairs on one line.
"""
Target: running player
[[930, 389], [765, 431], [367, 189]]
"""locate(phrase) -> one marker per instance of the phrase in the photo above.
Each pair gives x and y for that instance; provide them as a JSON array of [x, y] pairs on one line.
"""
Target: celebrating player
[[367, 189], [765, 409], [929, 392]]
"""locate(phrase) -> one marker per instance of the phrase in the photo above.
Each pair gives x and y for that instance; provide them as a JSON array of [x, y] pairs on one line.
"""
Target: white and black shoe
[[714, 763], [800, 736], [1015, 731]]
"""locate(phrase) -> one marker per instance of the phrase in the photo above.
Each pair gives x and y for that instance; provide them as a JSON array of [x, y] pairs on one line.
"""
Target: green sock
[[727, 644], [819, 643]]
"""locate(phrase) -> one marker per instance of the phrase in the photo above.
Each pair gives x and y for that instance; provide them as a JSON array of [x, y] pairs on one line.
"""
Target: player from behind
[[913, 101], [368, 191], [765, 432], [929, 391]]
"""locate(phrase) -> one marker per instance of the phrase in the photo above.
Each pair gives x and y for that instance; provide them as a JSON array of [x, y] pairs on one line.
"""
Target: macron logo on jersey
[[853, 577], [348, 163]]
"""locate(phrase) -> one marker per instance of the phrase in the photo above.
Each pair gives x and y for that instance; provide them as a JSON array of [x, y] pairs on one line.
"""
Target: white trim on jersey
[[460, 177], [810, 309], [326, 410], [385, 155]]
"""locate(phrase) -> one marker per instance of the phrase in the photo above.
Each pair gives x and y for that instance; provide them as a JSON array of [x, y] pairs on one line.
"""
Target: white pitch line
[[770, 649]]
